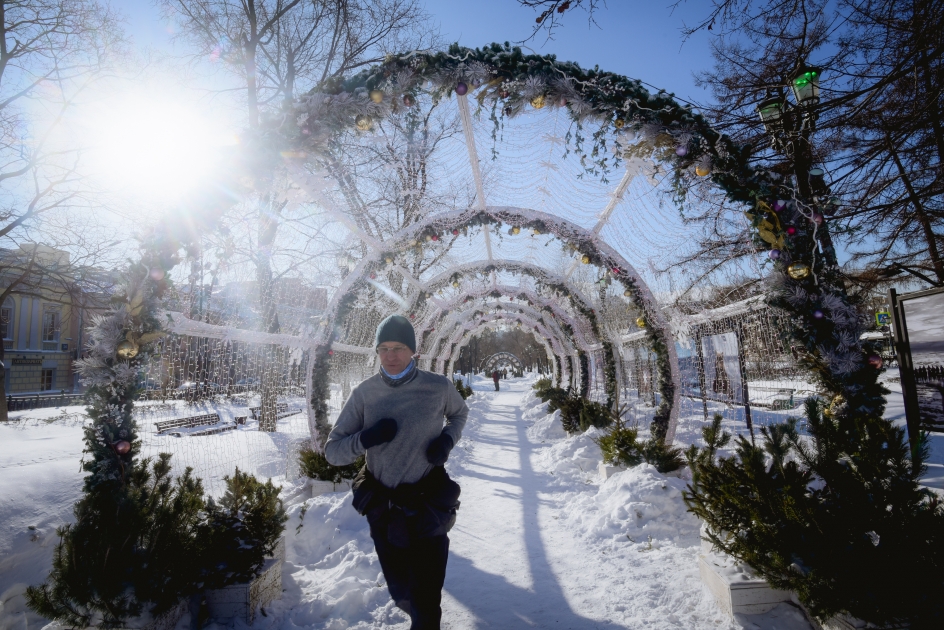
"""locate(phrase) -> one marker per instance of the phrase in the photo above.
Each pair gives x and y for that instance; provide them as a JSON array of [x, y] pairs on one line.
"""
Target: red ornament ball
[[373, 276], [330, 352], [461, 88], [455, 232], [791, 230], [817, 218], [122, 447], [435, 237], [875, 361], [412, 315]]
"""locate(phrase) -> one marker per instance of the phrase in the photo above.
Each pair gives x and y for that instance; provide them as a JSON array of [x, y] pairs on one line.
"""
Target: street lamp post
[[790, 126]]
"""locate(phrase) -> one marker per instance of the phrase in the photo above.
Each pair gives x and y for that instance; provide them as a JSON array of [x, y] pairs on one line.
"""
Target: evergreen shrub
[[621, 447], [838, 517], [464, 390], [141, 544], [315, 466]]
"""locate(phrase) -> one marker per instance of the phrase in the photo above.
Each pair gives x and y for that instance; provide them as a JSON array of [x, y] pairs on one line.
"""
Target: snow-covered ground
[[540, 541]]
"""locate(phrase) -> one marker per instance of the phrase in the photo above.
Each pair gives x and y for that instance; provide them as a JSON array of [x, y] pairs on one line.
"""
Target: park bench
[[211, 431], [41, 401], [192, 421], [281, 411], [781, 400]]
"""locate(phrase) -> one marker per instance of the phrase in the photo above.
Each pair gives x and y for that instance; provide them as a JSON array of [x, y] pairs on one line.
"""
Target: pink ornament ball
[[122, 447], [681, 150], [791, 230], [330, 353], [875, 361], [435, 237], [817, 218], [461, 88], [157, 274], [818, 314], [773, 254], [455, 232], [779, 205]]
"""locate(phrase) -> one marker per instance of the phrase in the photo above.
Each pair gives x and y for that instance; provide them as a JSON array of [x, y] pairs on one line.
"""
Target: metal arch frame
[[458, 314], [465, 334], [501, 355], [539, 274], [562, 229], [551, 328]]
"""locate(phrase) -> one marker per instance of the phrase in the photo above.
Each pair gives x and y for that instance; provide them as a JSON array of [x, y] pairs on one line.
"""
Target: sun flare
[[160, 148]]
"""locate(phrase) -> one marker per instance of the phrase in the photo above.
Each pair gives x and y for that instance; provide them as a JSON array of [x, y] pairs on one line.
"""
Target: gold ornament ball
[[701, 170], [127, 350], [376, 96], [627, 293], [585, 259], [455, 283], [388, 260], [516, 230], [536, 231], [363, 122], [798, 271], [641, 322], [618, 123], [538, 101]]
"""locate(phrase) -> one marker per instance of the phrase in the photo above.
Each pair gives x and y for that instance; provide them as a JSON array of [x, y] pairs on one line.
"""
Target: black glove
[[382, 432], [438, 450]]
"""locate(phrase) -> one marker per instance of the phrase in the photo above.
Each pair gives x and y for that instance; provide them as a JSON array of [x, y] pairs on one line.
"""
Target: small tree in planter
[[143, 540], [838, 518]]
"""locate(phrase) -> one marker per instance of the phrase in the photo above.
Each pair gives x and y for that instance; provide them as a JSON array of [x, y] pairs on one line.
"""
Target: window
[[51, 329], [6, 322], [47, 379], [51, 325], [6, 325]]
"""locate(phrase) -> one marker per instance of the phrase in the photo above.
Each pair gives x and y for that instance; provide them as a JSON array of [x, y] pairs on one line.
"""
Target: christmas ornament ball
[[791, 230], [122, 446], [619, 123], [773, 254], [330, 353], [779, 205], [585, 259], [435, 237], [461, 88], [376, 96], [641, 322], [455, 283], [429, 237], [363, 122], [627, 293], [702, 170], [373, 276], [681, 150], [798, 270], [538, 101], [388, 260], [455, 232], [818, 314], [408, 100], [875, 361], [817, 218], [536, 231], [515, 230], [127, 350]]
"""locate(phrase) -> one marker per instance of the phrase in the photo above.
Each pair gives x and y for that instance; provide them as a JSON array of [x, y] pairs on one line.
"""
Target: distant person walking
[[495, 376]]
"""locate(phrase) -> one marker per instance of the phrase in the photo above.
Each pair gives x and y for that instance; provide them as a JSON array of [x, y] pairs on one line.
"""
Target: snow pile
[[574, 459], [332, 575], [639, 504]]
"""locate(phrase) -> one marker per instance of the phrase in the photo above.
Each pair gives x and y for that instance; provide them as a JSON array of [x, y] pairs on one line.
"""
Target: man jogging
[[407, 421]]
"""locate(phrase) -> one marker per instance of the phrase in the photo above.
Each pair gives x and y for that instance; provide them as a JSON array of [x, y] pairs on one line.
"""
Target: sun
[[153, 146]]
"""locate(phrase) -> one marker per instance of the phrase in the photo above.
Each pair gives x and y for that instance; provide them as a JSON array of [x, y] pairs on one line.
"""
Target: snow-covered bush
[[621, 446]]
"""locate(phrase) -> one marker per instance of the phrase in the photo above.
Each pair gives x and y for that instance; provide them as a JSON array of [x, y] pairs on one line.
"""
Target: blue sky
[[639, 39]]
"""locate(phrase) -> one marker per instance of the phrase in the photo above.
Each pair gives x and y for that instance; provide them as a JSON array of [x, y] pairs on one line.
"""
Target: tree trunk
[[929, 236]]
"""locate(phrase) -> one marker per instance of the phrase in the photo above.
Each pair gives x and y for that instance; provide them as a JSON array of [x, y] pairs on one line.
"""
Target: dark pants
[[415, 575], [496, 384]]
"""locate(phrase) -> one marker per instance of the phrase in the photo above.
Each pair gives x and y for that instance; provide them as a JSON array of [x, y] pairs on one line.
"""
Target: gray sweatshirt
[[419, 408]]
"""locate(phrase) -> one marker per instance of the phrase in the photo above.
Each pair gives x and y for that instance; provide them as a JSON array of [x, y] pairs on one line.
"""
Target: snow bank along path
[[539, 542]]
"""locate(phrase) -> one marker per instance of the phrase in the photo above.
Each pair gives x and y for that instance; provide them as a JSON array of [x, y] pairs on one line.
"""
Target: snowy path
[[539, 543]]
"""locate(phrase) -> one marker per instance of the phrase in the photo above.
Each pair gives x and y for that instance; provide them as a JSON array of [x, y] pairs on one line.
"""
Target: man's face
[[394, 356]]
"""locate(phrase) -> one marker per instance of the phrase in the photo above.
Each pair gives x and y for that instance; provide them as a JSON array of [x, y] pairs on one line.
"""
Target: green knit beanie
[[396, 328]]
